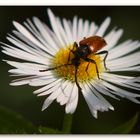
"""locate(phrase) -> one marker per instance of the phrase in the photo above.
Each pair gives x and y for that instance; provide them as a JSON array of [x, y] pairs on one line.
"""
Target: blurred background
[[21, 99]]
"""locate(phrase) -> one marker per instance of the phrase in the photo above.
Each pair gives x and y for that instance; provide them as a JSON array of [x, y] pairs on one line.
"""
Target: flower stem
[[67, 123]]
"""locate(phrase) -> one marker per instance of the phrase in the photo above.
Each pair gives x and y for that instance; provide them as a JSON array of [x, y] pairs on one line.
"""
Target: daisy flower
[[44, 55]]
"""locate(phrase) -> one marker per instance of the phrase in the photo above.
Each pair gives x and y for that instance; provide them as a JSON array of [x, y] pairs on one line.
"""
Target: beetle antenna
[[54, 68]]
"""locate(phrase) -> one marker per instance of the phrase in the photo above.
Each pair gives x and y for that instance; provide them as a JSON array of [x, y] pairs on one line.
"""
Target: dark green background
[[21, 99]]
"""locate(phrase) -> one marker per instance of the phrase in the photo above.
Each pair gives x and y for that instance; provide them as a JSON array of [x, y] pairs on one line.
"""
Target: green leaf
[[13, 123], [46, 130], [126, 127]]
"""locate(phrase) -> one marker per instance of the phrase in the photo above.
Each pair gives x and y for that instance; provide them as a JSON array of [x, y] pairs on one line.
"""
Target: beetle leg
[[75, 45], [92, 61], [72, 51], [106, 54], [87, 68], [76, 80], [69, 56]]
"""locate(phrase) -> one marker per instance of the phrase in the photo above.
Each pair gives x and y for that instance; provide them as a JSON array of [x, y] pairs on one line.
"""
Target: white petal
[[50, 89], [91, 101], [56, 93], [47, 103], [63, 32], [123, 82], [27, 34], [21, 65], [21, 38], [103, 27], [92, 110], [41, 82], [132, 68], [122, 62], [97, 102], [61, 95], [133, 100], [45, 34], [22, 81], [68, 31], [64, 96], [85, 29], [66, 93], [51, 98], [55, 26], [102, 89], [92, 29], [17, 53], [21, 45], [27, 72], [74, 29], [105, 103], [124, 50], [47, 86], [53, 35], [72, 103], [24, 41], [40, 38], [112, 38], [120, 92], [80, 30]]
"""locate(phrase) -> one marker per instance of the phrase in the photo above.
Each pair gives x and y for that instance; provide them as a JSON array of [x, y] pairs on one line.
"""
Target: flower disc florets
[[86, 71]]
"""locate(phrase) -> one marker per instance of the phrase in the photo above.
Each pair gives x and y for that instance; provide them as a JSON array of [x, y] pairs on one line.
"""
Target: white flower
[[41, 48]]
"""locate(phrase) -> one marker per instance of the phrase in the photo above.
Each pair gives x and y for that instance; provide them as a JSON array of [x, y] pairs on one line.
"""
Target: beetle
[[87, 46]]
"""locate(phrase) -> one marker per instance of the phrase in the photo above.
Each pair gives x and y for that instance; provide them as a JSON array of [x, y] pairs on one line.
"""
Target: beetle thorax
[[83, 51]]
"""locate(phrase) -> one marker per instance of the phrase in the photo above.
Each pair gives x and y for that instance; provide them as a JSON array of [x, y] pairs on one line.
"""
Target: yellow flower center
[[86, 71]]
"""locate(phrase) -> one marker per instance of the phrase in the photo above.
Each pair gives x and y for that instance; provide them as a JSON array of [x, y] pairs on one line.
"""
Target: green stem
[[67, 123]]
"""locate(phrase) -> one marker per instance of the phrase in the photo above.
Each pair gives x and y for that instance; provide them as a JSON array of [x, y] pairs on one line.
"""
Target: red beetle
[[94, 43], [87, 46]]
